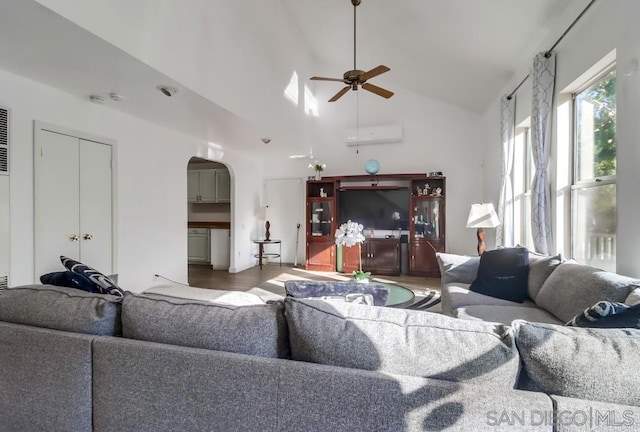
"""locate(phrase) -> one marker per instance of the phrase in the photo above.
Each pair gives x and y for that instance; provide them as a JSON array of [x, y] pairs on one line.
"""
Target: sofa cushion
[[68, 279], [598, 364], [457, 268], [540, 268], [311, 288], [61, 308], [580, 415], [255, 330], [457, 295], [233, 298], [573, 287], [102, 283], [505, 314], [401, 341], [503, 274], [606, 314]]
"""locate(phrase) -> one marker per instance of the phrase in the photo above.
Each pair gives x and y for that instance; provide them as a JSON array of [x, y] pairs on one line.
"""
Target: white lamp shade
[[482, 216], [262, 213]]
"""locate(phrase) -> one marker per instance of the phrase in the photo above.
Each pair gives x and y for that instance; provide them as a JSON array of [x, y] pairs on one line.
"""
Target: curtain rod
[[548, 53]]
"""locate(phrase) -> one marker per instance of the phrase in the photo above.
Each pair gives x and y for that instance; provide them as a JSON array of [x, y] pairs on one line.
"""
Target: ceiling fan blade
[[374, 72], [326, 79], [377, 90], [340, 94]]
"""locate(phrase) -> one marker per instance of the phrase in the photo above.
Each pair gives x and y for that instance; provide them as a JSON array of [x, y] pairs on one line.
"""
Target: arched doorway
[[209, 217]]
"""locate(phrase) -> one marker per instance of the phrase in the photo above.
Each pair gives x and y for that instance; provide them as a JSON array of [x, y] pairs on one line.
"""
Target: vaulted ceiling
[[462, 52], [458, 51]]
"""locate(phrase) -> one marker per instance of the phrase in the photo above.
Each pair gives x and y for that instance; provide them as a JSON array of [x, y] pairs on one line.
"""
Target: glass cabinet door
[[321, 218], [426, 219]]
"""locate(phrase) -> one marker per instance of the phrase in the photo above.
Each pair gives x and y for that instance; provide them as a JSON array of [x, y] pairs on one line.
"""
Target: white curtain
[[504, 232], [543, 77]]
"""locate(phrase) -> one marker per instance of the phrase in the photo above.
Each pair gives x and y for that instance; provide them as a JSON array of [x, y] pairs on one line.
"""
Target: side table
[[262, 253]]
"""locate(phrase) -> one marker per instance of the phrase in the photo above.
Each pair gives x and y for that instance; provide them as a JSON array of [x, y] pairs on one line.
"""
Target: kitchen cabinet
[[223, 186], [208, 186], [199, 247]]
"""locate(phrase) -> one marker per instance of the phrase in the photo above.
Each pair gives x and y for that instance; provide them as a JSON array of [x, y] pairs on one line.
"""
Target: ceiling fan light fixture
[[356, 77]]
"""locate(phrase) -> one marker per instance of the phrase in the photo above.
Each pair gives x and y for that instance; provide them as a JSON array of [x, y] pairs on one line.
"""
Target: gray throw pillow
[[457, 268], [585, 363], [540, 268], [633, 298], [259, 330], [311, 288], [572, 288], [400, 341], [61, 308]]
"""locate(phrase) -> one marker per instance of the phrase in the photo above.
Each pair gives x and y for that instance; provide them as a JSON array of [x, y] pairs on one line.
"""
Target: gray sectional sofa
[[557, 290], [73, 361]]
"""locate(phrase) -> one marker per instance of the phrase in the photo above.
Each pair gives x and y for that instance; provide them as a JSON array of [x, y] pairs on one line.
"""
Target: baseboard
[[241, 268]]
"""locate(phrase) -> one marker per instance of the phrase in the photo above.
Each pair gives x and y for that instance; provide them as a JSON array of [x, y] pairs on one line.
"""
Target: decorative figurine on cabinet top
[[372, 166]]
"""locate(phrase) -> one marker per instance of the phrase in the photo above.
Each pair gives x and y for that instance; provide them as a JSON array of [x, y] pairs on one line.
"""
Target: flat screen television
[[378, 209]]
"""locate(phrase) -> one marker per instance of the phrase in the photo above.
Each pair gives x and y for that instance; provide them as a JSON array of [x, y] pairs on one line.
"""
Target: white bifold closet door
[[73, 202]]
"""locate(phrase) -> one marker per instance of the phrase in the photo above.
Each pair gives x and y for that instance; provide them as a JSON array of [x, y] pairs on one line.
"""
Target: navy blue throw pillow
[[68, 279], [606, 314], [101, 283], [503, 274]]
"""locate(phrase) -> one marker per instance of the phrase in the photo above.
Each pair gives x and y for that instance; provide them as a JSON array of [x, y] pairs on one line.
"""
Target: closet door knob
[[87, 236], [74, 237]]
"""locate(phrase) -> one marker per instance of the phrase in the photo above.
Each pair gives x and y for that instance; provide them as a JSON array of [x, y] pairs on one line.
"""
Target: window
[[593, 193], [522, 177]]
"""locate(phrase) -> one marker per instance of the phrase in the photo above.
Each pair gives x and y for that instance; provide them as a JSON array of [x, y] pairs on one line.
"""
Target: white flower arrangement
[[350, 234], [317, 166]]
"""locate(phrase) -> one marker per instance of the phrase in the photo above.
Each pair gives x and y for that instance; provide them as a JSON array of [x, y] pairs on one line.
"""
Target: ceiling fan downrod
[[355, 4]]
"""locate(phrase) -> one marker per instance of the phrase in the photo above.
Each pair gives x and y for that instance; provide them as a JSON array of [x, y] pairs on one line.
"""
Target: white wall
[[606, 26], [151, 210]]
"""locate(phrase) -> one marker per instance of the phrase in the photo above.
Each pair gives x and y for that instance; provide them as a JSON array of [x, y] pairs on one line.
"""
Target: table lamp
[[262, 216], [482, 216]]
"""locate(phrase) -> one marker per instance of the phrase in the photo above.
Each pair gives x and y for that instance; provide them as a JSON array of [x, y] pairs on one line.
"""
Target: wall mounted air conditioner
[[374, 135]]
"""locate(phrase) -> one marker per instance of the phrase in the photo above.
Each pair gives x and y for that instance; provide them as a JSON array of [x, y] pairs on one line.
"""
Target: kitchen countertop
[[210, 225]]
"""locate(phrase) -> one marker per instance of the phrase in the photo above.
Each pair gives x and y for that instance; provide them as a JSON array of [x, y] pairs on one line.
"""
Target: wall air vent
[[4, 141], [4, 283]]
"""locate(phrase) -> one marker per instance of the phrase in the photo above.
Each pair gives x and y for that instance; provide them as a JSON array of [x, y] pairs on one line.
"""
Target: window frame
[[589, 183]]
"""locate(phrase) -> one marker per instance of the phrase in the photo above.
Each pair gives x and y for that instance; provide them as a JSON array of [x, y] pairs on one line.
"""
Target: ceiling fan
[[354, 78]]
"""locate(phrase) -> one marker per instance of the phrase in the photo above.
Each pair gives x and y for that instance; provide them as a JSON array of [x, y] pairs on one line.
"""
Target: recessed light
[[167, 90], [266, 140], [96, 99], [116, 97]]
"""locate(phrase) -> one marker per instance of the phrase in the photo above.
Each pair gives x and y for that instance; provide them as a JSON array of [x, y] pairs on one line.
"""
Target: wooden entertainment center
[[381, 254]]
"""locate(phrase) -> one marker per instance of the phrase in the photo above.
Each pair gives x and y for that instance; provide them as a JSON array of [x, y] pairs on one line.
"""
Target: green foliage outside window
[[597, 105]]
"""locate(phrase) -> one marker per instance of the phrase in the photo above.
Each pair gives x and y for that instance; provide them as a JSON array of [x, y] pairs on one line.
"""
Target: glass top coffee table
[[399, 296]]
